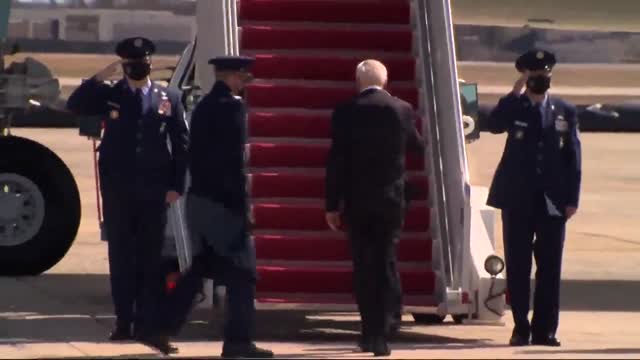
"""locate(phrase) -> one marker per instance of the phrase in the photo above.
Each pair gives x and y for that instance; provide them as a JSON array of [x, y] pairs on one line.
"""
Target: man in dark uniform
[[366, 174], [537, 187], [217, 211], [140, 175]]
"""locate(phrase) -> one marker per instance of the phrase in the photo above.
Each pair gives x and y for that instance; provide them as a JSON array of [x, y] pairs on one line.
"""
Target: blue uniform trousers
[[240, 308], [214, 232], [135, 218], [519, 228]]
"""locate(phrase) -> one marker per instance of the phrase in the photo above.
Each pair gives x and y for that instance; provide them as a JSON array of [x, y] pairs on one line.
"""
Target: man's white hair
[[371, 73]]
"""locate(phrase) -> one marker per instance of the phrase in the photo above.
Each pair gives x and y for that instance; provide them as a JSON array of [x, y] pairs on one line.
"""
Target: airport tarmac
[[67, 311]]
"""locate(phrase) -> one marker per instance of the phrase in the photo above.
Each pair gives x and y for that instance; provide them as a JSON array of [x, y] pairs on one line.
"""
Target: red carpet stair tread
[[326, 67], [309, 216], [262, 155], [306, 53], [269, 37], [300, 96], [337, 11], [295, 185], [320, 247], [315, 125]]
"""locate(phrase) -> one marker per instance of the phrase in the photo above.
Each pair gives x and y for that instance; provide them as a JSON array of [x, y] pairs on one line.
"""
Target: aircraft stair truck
[[306, 55], [39, 198]]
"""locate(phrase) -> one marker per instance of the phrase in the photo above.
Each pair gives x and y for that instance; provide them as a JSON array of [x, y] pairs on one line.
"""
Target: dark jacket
[[542, 154], [366, 167], [135, 144], [216, 153]]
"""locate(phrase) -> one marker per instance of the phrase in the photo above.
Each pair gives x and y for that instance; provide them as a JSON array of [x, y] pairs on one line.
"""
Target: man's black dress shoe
[[160, 343], [120, 334], [365, 345], [545, 341], [518, 340], [379, 347], [245, 351]]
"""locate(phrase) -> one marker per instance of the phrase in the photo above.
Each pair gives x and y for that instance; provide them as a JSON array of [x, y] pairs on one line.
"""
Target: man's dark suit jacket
[[366, 167]]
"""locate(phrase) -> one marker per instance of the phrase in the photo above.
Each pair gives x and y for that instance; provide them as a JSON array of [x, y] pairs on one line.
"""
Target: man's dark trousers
[[373, 238], [519, 228], [135, 218]]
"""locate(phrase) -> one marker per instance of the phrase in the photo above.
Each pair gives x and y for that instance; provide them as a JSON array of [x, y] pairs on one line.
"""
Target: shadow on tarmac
[[77, 307]]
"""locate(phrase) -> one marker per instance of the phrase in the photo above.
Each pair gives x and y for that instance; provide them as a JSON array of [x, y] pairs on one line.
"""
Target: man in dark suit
[[537, 187], [366, 176], [140, 175], [217, 211]]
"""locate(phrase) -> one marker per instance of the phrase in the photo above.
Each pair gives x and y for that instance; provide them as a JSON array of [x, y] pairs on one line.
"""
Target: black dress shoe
[[379, 347], [120, 334], [245, 351], [545, 341], [365, 345], [518, 340], [160, 343]]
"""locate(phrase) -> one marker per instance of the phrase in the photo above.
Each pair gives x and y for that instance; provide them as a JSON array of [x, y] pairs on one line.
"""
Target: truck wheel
[[39, 208], [428, 319]]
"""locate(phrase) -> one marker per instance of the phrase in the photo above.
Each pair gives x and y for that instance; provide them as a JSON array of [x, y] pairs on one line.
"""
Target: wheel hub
[[21, 209]]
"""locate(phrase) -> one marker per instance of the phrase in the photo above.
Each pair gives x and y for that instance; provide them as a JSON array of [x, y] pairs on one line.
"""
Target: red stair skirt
[[270, 37], [333, 299], [287, 185], [332, 280], [310, 97], [305, 156], [326, 68], [295, 125], [310, 216], [378, 11], [411, 248]]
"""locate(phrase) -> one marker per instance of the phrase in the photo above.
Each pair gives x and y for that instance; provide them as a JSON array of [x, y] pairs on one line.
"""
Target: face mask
[[137, 70], [539, 84]]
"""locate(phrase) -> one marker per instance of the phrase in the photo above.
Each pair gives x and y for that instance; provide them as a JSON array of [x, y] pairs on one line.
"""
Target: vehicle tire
[[39, 208], [428, 319]]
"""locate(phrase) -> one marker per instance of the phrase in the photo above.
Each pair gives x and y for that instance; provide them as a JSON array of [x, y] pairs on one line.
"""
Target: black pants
[[376, 280], [240, 308], [135, 218], [519, 228]]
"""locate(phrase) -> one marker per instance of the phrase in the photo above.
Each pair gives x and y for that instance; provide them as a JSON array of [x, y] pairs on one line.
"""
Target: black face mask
[[539, 84], [137, 70]]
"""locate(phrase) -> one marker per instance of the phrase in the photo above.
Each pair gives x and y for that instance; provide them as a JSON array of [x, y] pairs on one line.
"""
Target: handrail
[[444, 123], [431, 128]]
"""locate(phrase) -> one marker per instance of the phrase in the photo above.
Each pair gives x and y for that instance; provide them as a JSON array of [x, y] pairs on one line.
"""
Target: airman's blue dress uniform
[[217, 215], [538, 177], [137, 168]]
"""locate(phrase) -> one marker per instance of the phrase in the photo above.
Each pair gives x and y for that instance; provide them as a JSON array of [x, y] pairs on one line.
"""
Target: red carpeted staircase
[[306, 52]]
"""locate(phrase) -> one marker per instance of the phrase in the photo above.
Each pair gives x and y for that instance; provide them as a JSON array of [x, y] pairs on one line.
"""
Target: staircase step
[[310, 216], [273, 298], [326, 67], [294, 124], [319, 248], [333, 280], [271, 124], [299, 96], [377, 11], [280, 37], [278, 185], [261, 155]]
